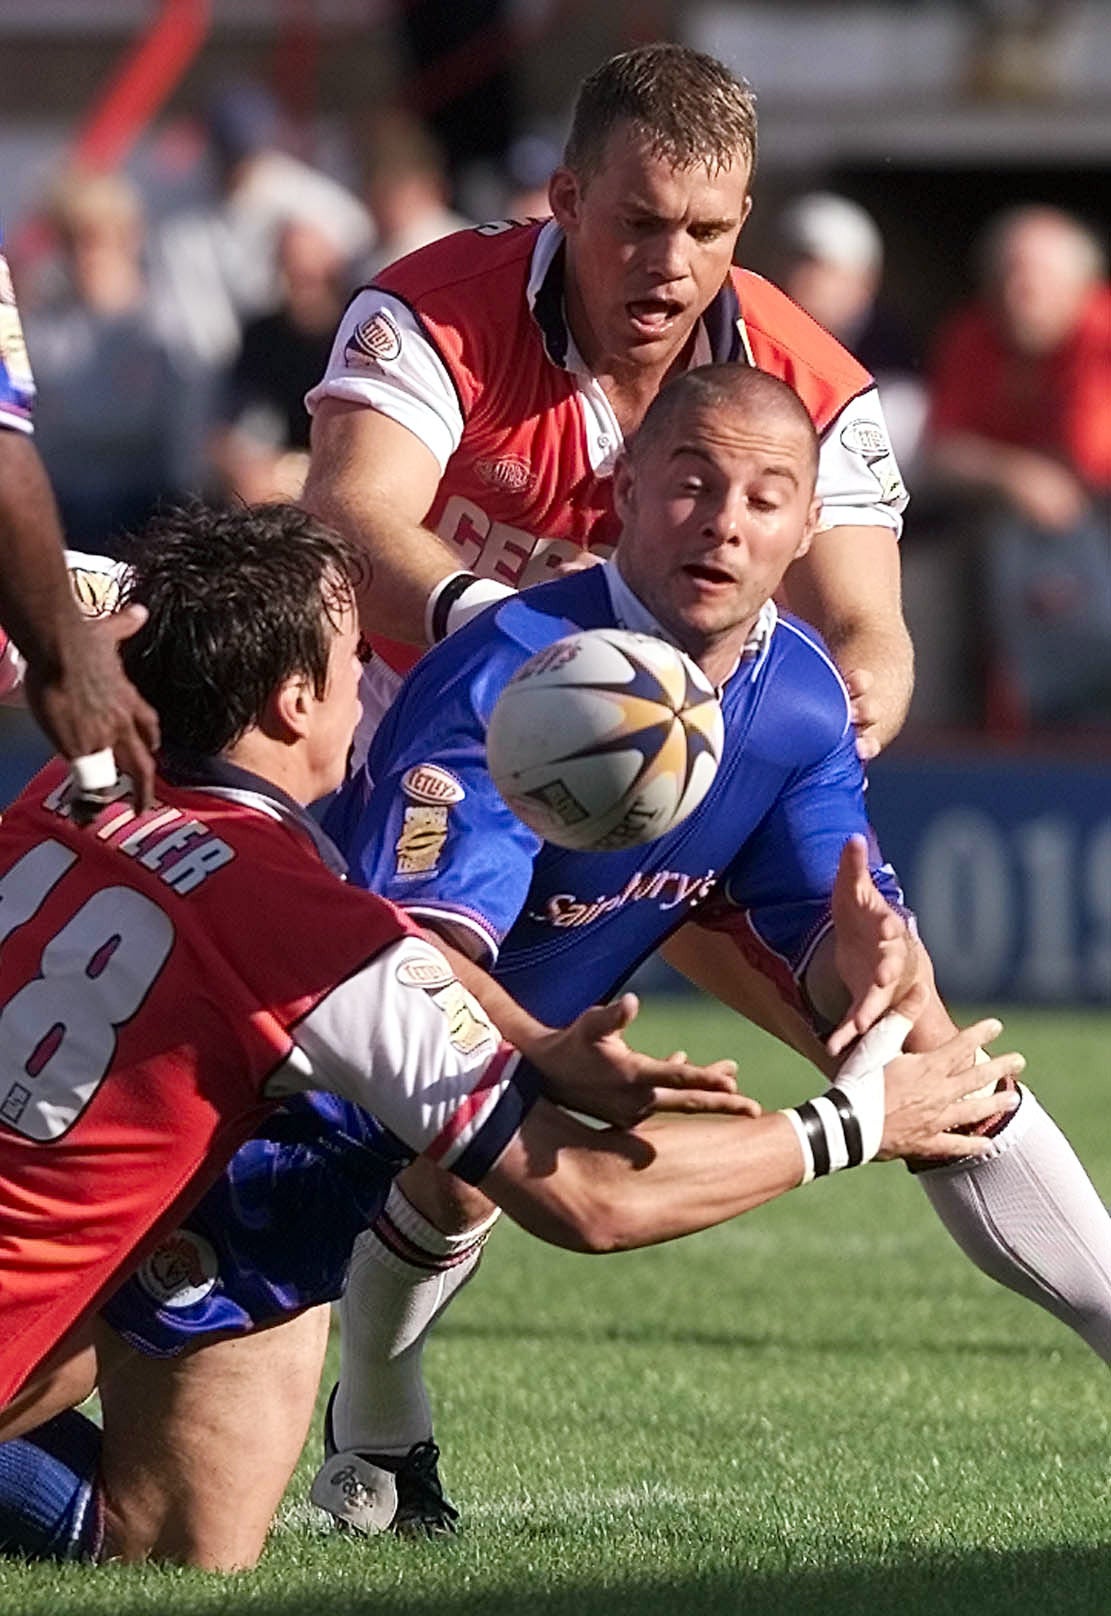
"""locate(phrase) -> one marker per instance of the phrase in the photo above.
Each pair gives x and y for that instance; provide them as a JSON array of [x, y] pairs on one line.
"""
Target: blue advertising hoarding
[[1007, 861]]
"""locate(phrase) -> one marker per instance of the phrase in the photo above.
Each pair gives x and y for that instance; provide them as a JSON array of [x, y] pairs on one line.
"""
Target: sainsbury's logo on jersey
[[667, 889]]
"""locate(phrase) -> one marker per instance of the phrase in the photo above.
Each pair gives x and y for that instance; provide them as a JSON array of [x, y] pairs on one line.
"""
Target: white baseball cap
[[833, 230]]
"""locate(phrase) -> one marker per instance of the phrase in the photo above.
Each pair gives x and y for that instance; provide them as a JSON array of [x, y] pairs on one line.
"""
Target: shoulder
[[806, 702], [475, 664], [468, 270], [784, 340]]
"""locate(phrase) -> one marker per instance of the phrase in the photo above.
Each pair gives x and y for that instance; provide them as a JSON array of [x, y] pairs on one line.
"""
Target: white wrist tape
[[96, 771], [844, 1126], [456, 599]]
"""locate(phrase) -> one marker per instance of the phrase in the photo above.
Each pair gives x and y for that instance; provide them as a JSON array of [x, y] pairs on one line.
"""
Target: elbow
[[589, 1223]]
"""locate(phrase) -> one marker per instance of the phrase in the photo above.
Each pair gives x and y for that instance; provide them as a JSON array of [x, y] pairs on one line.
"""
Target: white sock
[[1030, 1217], [404, 1272]]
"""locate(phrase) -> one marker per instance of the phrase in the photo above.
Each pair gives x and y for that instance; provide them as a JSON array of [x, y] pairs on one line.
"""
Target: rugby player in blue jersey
[[717, 498]]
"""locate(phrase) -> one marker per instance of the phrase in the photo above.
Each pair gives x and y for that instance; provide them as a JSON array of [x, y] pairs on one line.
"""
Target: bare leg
[[64, 1380], [198, 1450]]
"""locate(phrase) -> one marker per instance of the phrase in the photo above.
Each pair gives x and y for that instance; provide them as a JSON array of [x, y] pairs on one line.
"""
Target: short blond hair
[[689, 108]]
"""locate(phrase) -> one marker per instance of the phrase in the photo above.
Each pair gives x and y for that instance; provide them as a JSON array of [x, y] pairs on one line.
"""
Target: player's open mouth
[[714, 577], [652, 315]]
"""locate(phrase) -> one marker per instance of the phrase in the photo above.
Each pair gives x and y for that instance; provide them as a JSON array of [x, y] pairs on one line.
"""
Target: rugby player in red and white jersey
[[479, 393], [475, 404], [75, 684], [167, 976]]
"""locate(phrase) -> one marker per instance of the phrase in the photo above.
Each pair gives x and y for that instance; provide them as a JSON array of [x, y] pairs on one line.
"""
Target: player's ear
[[746, 209], [623, 480], [810, 527], [564, 193], [289, 707]]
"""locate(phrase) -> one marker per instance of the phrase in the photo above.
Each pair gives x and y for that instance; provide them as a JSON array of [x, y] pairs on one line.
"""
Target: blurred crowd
[[172, 352]]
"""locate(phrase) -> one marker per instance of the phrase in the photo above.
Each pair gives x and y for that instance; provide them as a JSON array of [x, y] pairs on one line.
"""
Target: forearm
[[375, 482], [37, 607], [886, 651], [977, 463], [614, 1191], [849, 587]]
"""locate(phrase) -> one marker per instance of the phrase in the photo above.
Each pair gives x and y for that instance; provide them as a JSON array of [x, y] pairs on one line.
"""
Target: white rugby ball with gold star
[[605, 739]]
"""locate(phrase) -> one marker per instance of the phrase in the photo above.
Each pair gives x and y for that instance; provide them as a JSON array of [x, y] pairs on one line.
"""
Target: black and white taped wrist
[[829, 1133], [456, 599]]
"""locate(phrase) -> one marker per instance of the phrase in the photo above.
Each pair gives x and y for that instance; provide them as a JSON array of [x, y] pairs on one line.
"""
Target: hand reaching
[[590, 1068], [873, 950], [88, 705]]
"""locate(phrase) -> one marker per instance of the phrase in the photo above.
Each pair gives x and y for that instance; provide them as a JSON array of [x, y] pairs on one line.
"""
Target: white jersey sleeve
[[859, 483], [383, 357], [405, 1040]]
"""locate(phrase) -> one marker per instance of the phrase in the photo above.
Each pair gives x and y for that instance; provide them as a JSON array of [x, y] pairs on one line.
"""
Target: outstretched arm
[[612, 1191]]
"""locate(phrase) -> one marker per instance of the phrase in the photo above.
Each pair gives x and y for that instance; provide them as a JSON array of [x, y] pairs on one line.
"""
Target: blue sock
[[49, 1497]]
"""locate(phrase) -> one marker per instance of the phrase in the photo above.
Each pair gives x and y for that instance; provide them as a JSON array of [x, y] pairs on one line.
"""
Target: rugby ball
[[605, 739]]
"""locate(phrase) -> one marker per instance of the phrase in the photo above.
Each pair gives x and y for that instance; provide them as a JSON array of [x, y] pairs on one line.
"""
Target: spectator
[[407, 191], [112, 414], [1021, 413], [833, 267], [529, 165], [217, 267], [261, 447]]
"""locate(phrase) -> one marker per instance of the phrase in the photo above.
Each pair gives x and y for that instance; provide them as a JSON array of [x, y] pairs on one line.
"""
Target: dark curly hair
[[240, 599]]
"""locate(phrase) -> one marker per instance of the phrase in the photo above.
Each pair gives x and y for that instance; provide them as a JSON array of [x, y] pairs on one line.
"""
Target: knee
[[454, 1207]]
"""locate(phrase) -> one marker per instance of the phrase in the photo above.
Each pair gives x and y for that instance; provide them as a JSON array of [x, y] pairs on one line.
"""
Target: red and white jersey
[[466, 344], [164, 979]]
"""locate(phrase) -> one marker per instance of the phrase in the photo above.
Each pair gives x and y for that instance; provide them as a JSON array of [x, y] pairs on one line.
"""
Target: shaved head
[[713, 388]]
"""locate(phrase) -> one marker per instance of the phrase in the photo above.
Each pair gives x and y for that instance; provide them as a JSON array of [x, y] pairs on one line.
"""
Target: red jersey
[[466, 344], [1058, 403], [165, 978]]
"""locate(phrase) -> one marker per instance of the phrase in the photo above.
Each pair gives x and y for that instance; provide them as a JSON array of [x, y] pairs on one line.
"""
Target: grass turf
[[822, 1407]]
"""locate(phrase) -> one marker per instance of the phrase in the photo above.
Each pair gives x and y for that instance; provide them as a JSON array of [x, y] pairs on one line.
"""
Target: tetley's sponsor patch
[[374, 341], [429, 783]]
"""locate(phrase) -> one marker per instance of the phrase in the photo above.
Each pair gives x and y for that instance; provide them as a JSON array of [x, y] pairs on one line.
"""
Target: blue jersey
[[562, 929], [17, 389]]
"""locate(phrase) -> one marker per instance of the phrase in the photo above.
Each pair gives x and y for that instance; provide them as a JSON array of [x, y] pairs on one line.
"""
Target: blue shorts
[[273, 1235]]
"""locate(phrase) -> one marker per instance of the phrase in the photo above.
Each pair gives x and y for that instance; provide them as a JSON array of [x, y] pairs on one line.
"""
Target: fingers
[[853, 874], [721, 1076], [691, 1102], [959, 1052], [123, 624], [133, 756]]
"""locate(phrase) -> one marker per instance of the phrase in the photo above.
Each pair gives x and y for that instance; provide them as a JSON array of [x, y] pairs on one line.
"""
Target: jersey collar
[[219, 778], [720, 335], [630, 612]]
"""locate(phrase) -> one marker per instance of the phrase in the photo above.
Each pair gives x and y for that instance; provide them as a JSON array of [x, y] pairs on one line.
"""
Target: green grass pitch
[[820, 1408]]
